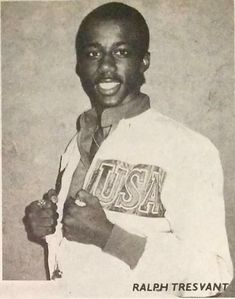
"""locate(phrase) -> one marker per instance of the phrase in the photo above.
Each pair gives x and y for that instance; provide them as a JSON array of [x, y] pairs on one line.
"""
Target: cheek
[[130, 69], [87, 71]]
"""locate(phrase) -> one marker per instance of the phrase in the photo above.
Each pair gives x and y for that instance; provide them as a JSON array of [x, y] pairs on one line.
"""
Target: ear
[[145, 62], [77, 69]]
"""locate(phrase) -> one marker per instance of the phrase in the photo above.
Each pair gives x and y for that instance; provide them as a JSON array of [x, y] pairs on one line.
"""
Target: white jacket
[[188, 245]]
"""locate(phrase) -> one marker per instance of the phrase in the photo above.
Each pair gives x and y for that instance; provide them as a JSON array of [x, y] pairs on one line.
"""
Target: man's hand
[[88, 223], [41, 216]]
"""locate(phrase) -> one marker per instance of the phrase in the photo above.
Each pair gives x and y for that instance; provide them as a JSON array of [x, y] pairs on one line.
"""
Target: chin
[[108, 103]]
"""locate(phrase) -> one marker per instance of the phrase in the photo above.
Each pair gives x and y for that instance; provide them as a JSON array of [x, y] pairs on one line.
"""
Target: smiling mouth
[[108, 88]]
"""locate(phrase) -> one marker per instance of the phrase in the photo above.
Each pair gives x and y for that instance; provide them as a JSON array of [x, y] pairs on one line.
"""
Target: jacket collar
[[112, 116]]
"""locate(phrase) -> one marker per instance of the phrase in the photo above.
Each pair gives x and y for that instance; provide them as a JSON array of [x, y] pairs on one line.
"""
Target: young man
[[139, 196]]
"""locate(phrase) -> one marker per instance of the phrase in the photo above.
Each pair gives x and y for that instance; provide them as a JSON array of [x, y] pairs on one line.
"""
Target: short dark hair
[[117, 11]]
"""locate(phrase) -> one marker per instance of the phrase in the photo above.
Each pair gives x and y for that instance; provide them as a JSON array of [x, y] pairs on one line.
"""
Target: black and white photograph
[[118, 125]]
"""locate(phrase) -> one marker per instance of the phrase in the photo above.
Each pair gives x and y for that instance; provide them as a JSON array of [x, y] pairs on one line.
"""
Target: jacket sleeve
[[195, 249]]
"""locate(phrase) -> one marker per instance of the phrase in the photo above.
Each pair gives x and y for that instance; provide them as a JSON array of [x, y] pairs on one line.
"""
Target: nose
[[107, 64]]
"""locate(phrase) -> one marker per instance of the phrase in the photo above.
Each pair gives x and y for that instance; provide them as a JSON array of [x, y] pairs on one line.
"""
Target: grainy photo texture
[[137, 96]]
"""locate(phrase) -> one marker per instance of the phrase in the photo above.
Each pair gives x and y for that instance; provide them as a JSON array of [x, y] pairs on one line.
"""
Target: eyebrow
[[122, 44], [91, 45], [96, 44]]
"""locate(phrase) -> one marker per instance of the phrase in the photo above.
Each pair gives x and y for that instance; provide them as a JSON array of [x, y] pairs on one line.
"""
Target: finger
[[51, 192], [50, 205], [45, 213], [32, 207], [42, 218], [41, 204], [44, 222], [71, 207], [69, 201], [65, 229], [68, 236], [43, 231], [68, 220], [86, 197], [52, 195], [79, 201]]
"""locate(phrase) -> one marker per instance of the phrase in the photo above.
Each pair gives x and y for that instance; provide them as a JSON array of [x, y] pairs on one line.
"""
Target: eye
[[93, 54], [122, 53]]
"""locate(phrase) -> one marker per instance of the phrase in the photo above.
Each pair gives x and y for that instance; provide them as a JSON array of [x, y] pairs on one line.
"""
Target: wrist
[[119, 244], [105, 234]]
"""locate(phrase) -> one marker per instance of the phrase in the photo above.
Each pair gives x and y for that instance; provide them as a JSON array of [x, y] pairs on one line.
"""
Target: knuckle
[[48, 230], [68, 237], [33, 227], [33, 206], [65, 229], [67, 209], [51, 192], [95, 199], [51, 221], [49, 212], [34, 223], [66, 232], [40, 215], [67, 220], [52, 229], [34, 203], [54, 199], [30, 216], [72, 209], [38, 233], [54, 206], [48, 205]]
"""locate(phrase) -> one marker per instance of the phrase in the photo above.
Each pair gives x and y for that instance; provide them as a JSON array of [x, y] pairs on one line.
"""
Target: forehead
[[110, 32]]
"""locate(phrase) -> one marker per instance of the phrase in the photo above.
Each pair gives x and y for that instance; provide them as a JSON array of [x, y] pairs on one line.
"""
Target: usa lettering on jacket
[[123, 187]]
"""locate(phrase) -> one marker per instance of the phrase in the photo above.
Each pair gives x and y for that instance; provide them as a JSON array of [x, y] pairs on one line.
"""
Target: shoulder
[[175, 135], [86, 119]]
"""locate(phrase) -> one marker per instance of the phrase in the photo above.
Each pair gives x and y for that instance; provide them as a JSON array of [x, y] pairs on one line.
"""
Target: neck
[[99, 108]]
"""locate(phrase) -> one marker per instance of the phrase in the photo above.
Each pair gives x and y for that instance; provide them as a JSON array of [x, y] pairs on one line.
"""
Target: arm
[[119, 244], [88, 224], [196, 248]]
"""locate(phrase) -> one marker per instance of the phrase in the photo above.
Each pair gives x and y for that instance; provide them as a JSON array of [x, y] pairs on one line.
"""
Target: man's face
[[110, 65]]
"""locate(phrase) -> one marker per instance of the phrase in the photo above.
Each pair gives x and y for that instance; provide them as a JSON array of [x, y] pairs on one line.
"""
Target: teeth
[[108, 85]]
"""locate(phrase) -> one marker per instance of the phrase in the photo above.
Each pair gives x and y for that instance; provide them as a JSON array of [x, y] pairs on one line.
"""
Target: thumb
[[52, 195], [86, 197], [69, 201]]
